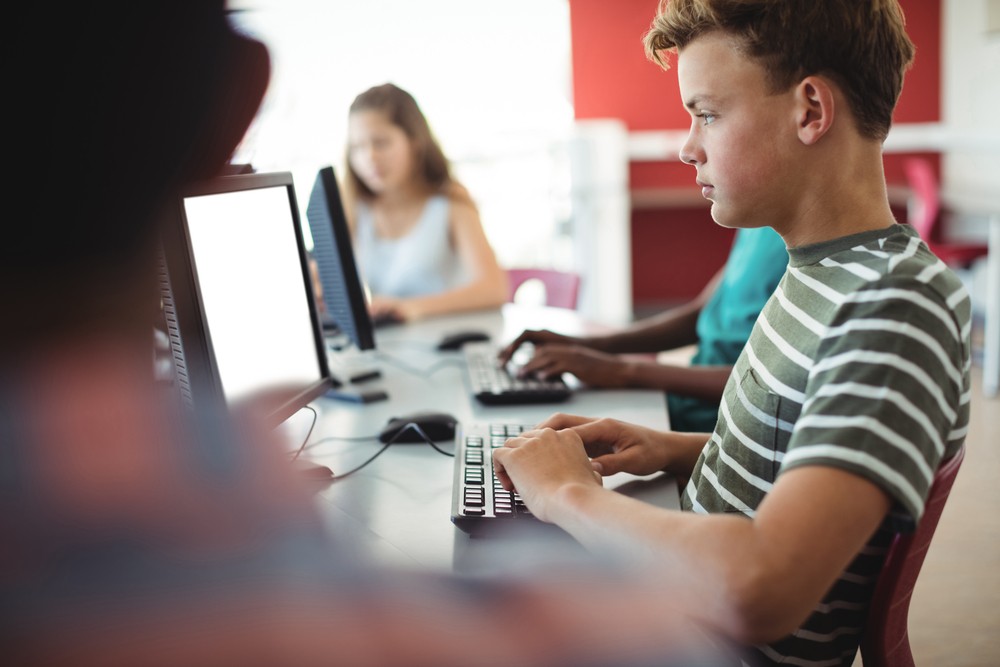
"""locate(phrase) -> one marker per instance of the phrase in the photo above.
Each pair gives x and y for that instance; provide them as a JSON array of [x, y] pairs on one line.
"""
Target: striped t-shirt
[[860, 360]]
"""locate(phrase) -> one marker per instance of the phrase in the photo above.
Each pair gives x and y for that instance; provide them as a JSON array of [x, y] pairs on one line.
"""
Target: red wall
[[611, 76], [676, 251]]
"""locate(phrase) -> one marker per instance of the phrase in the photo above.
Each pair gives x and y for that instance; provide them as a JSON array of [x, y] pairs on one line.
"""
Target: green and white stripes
[[859, 361]]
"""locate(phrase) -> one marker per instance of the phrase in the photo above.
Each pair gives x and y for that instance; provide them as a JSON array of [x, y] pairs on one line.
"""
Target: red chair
[[924, 214], [886, 641], [562, 288]]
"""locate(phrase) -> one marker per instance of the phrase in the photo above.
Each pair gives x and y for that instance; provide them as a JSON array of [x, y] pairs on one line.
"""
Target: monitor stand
[[353, 365], [349, 366]]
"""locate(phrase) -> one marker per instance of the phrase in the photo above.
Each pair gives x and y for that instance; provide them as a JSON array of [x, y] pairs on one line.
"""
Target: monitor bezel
[[202, 369]]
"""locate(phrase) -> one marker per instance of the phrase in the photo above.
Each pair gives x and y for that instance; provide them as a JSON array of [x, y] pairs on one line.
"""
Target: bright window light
[[493, 79]]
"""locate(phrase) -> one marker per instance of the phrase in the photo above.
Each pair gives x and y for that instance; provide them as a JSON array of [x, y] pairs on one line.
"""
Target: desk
[[397, 509]]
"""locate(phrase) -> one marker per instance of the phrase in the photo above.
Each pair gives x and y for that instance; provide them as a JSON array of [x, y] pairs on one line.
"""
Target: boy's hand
[[540, 463], [617, 446]]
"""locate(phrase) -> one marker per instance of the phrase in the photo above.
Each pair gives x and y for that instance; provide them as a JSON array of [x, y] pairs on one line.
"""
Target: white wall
[[970, 72], [601, 220], [493, 79], [971, 88]]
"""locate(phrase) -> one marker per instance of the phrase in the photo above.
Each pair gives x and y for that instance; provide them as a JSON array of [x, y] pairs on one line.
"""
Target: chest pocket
[[756, 416]]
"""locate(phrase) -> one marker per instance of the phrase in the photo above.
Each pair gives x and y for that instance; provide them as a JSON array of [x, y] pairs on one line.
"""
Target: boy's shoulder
[[873, 267], [892, 254], [901, 258]]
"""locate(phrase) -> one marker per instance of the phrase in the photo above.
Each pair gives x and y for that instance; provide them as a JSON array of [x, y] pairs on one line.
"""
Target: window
[[493, 79]]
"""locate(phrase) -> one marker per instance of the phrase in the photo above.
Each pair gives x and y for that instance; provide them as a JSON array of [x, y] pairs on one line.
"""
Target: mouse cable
[[341, 438], [301, 447], [410, 425], [413, 426], [342, 475], [444, 363], [419, 372]]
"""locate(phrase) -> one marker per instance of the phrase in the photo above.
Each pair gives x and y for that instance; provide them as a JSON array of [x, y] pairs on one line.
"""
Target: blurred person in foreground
[[135, 533]]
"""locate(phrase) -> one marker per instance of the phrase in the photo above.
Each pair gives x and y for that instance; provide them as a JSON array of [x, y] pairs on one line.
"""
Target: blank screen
[[252, 290]]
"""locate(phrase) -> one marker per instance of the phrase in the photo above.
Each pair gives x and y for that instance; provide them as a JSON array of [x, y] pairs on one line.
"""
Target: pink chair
[[886, 641], [562, 288], [924, 214]]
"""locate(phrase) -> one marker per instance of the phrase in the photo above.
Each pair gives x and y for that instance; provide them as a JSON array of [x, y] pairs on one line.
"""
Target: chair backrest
[[562, 288], [886, 642], [924, 208]]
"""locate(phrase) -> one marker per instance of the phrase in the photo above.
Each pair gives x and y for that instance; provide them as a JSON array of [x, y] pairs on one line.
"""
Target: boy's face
[[741, 136]]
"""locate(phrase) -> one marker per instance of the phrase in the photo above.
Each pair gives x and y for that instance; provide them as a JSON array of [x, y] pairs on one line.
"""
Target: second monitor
[[347, 321]]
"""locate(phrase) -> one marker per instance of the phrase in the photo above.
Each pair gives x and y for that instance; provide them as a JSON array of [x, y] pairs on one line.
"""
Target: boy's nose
[[690, 153]]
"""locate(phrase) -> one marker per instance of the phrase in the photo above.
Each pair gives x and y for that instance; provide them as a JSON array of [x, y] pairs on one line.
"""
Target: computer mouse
[[457, 339], [439, 426]]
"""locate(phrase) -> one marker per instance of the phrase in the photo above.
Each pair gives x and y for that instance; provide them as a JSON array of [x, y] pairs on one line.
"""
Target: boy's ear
[[814, 109]]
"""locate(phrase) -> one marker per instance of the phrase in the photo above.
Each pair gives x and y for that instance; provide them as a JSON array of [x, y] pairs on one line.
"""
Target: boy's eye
[[706, 118]]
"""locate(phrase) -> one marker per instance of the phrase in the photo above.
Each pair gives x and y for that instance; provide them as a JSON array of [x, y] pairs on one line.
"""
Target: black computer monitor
[[348, 324], [237, 295], [343, 295]]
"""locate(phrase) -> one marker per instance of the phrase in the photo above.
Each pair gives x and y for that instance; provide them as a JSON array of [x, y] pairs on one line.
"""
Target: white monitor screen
[[250, 279]]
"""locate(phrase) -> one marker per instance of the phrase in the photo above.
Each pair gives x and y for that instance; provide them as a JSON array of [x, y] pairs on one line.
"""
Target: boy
[[855, 382]]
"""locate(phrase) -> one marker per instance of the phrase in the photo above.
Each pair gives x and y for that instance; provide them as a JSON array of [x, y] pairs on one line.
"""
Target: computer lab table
[[396, 510]]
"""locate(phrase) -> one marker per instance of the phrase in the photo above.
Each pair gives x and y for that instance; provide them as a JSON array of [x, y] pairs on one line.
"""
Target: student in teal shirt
[[718, 321]]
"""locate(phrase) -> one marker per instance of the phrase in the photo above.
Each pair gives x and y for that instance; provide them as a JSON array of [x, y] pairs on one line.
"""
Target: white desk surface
[[397, 509]]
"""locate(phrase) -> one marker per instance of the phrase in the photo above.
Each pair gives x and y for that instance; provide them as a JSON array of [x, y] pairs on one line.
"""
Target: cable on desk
[[374, 456], [311, 427], [421, 373], [340, 438], [410, 426], [419, 431]]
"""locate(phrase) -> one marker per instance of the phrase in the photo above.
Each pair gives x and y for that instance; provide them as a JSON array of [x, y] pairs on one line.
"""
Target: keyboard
[[494, 384], [479, 504]]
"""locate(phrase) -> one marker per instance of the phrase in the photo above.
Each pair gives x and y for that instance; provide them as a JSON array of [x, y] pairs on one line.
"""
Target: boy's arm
[[754, 580]]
